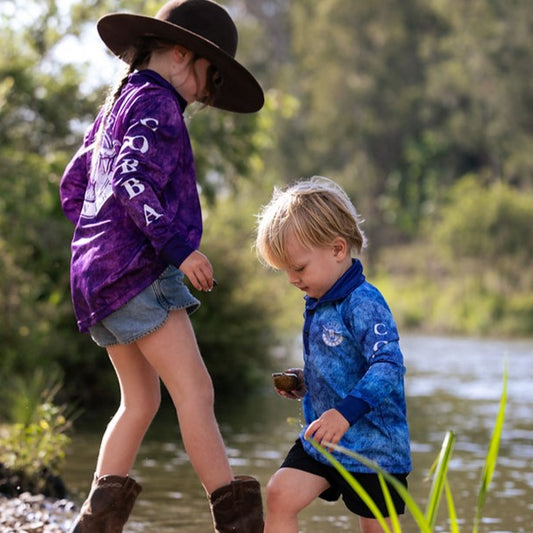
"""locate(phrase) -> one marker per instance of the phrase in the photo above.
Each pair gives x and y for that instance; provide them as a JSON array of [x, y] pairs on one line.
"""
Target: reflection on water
[[451, 384]]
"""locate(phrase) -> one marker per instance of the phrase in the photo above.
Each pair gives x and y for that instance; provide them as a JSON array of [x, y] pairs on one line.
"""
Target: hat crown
[[204, 18]]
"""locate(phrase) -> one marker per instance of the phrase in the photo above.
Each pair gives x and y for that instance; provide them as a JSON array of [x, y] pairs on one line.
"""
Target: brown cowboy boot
[[108, 506], [237, 507]]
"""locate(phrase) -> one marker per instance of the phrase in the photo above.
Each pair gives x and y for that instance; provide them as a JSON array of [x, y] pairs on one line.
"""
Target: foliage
[[426, 521], [398, 101], [34, 440], [496, 209], [454, 261]]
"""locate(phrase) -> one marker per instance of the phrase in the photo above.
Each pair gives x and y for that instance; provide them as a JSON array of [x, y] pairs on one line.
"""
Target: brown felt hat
[[202, 26]]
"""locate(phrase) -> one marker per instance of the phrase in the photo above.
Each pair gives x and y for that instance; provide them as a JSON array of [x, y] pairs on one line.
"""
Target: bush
[[34, 439]]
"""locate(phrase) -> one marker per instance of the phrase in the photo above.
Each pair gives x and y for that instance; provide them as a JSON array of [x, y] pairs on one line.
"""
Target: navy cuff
[[176, 251], [352, 408]]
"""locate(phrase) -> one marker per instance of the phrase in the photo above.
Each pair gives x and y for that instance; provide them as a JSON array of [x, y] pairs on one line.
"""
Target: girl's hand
[[329, 428], [199, 271]]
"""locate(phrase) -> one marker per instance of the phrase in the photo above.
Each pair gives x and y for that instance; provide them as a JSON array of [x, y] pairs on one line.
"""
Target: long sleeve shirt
[[135, 206], [351, 350]]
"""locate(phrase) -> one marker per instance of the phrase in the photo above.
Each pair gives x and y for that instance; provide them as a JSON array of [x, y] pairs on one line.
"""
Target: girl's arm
[[74, 183]]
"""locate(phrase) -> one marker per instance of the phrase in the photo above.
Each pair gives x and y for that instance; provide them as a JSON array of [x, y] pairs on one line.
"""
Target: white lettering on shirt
[[150, 123], [138, 143], [380, 329], [128, 165], [133, 187], [150, 214]]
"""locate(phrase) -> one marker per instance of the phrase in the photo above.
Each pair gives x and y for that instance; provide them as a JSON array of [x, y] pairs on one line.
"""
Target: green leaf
[[412, 506], [454, 527], [393, 515], [439, 478], [492, 455], [360, 491]]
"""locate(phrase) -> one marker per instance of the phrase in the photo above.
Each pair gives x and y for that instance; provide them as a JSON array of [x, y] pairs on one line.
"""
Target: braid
[[139, 55], [110, 100]]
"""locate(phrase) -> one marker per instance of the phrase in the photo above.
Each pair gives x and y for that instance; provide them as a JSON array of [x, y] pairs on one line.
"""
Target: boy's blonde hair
[[315, 211]]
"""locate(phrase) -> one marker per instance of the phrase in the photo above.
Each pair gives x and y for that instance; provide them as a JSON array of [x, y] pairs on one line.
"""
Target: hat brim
[[240, 92]]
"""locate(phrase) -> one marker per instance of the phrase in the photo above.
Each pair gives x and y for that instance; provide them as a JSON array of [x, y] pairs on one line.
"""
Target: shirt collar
[[153, 77], [349, 281]]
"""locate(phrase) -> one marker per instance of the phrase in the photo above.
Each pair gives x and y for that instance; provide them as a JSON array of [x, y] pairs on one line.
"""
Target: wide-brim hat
[[202, 26]]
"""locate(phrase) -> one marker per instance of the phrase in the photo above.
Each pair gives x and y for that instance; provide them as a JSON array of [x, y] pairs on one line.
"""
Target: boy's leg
[[288, 492], [371, 525], [173, 352]]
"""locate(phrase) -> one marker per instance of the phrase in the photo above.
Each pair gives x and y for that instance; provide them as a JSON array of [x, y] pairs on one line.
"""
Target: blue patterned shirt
[[351, 350]]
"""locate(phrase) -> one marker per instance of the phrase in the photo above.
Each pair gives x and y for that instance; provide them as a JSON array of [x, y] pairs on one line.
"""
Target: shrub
[[34, 439]]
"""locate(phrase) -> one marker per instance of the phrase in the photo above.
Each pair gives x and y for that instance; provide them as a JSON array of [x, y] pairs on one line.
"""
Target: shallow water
[[451, 384]]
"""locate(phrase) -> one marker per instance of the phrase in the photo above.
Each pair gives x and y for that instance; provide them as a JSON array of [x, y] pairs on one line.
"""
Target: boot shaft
[[237, 507], [108, 506]]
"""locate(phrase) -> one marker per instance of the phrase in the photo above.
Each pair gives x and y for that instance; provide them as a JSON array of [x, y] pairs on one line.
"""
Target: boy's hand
[[329, 428], [290, 384]]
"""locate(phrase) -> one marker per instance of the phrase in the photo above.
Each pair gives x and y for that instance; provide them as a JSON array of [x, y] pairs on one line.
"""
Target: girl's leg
[[371, 525], [113, 493], [140, 399], [173, 353], [288, 492]]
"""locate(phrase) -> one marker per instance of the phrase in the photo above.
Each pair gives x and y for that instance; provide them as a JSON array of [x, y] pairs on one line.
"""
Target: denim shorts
[[145, 312], [299, 459]]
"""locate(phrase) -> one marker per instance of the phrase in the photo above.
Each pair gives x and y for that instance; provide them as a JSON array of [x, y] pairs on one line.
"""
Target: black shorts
[[298, 458]]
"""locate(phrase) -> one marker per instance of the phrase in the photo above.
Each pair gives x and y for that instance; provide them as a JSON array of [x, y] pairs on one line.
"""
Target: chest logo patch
[[332, 334]]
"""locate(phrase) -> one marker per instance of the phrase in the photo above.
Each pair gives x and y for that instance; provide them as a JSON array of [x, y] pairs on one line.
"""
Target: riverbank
[[30, 513]]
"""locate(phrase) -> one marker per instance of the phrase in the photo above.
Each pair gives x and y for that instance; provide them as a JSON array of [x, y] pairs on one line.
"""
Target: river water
[[451, 384]]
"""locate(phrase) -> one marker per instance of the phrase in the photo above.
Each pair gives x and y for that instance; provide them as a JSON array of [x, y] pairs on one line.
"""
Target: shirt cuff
[[176, 251], [352, 408]]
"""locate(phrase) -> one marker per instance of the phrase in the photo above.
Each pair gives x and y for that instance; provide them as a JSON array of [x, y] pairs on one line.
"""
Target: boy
[[352, 386]]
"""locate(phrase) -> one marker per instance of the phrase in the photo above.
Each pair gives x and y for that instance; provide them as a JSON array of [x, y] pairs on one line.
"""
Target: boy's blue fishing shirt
[[351, 348]]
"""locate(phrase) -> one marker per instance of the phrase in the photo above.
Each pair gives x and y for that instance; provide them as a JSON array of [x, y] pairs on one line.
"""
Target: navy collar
[[348, 282], [154, 77]]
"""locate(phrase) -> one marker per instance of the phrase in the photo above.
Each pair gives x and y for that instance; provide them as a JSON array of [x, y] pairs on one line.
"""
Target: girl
[[131, 193], [352, 386]]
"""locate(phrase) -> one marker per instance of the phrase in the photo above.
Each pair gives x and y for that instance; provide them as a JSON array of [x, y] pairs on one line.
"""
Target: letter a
[[150, 214]]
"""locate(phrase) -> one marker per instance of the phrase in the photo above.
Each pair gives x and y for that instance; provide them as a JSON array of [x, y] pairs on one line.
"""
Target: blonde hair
[[315, 211]]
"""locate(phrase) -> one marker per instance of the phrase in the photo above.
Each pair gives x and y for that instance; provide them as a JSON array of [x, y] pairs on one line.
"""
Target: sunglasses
[[216, 78]]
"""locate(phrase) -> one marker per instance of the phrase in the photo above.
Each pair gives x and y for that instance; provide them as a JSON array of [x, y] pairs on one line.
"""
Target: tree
[[39, 101]]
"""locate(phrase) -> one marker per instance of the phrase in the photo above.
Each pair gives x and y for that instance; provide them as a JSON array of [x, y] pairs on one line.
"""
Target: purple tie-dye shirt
[[136, 207]]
